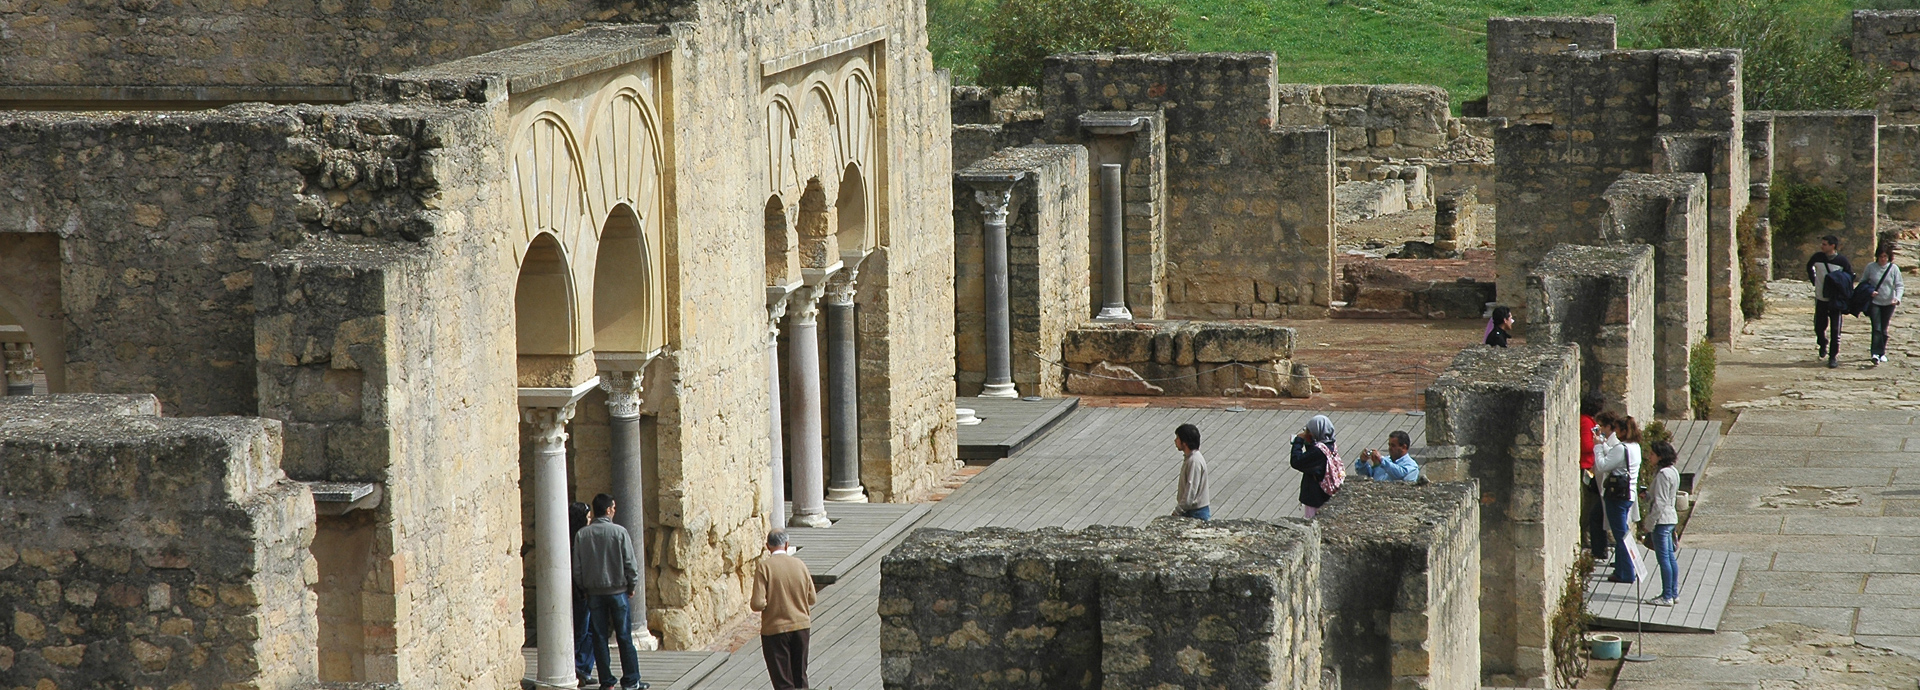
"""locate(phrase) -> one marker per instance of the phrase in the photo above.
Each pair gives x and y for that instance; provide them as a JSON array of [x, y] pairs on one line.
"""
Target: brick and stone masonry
[[1372, 120], [1837, 150], [1400, 584], [1456, 220], [149, 551], [1508, 418], [1669, 213], [1600, 299], [1226, 604], [1517, 89], [1184, 358], [1890, 40]]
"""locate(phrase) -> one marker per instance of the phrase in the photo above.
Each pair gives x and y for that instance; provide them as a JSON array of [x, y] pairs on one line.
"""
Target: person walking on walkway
[[1190, 499], [604, 566], [1500, 326], [1396, 466], [1593, 522], [578, 517], [1314, 454], [1827, 308], [1882, 278], [783, 594], [1617, 464], [1660, 512]]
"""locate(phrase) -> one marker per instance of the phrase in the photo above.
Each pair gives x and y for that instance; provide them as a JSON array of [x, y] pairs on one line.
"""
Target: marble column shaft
[[843, 392], [553, 552], [803, 377], [628, 485], [777, 513], [999, 317], [1113, 250]]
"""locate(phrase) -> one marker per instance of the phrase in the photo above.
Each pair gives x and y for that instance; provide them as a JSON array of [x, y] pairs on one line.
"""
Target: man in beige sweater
[[783, 594]]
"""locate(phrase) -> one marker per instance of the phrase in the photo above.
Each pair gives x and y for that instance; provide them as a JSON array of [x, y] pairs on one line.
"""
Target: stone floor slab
[[1893, 583], [1826, 618], [1868, 563], [1896, 545], [1754, 544], [1883, 620], [1876, 526], [1757, 578]]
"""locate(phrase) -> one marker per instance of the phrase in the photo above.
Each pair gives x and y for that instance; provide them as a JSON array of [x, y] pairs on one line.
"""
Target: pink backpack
[[1336, 470]]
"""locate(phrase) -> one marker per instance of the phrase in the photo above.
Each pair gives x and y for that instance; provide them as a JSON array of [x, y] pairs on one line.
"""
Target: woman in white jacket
[[1883, 279], [1661, 513], [1618, 468]]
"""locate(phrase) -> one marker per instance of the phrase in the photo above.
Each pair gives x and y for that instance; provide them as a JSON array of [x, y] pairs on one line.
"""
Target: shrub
[[1702, 360], [1798, 211], [1569, 625], [1793, 60], [1654, 432], [1022, 33], [1753, 275]]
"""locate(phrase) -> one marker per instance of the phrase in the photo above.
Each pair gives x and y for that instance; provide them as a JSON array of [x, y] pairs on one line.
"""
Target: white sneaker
[[1661, 601]]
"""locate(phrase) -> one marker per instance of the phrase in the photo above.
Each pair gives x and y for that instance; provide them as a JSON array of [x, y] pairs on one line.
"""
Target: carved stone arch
[[821, 152], [853, 212], [628, 307], [782, 245], [549, 184], [627, 191], [545, 307], [819, 247], [783, 143], [861, 117]]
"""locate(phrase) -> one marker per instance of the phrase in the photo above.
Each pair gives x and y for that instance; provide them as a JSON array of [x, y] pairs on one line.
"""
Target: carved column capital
[[623, 393], [804, 305], [842, 286], [776, 310], [993, 200], [549, 423], [19, 363]]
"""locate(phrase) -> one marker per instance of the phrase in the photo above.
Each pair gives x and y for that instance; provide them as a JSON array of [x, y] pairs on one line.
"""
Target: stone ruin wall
[[1142, 153], [1400, 583], [1837, 150], [1047, 256], [1667, 212], [1184, 358], [1519, 87], [1230, 603], [1890, 40], [151, 551], [1601, 300], [1507, 418], [1250, 210], [1372, 120]]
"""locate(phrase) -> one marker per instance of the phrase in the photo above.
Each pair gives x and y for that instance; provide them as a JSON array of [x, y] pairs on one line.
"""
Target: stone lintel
[[340, 498], [551, 60], [557, 397], [623, 361], [812, 54], [1115, 122], [1010, 165]]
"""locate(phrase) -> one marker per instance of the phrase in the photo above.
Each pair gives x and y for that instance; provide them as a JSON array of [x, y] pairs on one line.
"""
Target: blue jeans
[[583, 638], [1200, 513], [1617, 512], [612, 620], [1880, 315], [1669, 566]]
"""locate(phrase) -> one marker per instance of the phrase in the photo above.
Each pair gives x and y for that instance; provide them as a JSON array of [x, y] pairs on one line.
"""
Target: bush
[[1702, 360], [1793, 60], [1022, 33], [1753, 275], [1569, 625], [1654, 432], [1799, 211]]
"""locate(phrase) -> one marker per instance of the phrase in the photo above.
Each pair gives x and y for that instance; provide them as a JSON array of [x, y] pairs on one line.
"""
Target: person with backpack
[[1832, 278], [1318, 458], [1881, 283], [1616, 461]]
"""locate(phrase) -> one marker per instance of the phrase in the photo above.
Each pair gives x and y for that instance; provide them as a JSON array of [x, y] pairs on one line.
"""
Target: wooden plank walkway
[[1099, 466], [664, 670], [1694, 440], [858, 530], [1008, 425], [1706, 581]]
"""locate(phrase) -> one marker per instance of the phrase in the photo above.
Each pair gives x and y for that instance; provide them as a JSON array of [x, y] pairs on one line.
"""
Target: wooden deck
[[664, 670], [1694, 441], [858, 530], [1008, 425], [1099, 466], [1706, 581]]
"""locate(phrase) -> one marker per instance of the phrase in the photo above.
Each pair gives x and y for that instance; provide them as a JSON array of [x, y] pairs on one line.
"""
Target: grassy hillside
[[1441, 42]]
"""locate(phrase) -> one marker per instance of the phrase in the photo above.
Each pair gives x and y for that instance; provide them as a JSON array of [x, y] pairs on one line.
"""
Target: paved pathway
[[1106, 466]]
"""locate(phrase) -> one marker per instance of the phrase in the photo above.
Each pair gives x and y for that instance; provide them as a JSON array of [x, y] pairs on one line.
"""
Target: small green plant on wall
[[1702, 361], [1799, 211]]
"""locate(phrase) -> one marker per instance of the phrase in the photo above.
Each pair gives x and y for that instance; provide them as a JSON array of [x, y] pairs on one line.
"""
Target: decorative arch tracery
[[627, 195]]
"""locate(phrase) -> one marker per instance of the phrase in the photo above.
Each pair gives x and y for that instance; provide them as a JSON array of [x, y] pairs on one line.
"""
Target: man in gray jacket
[[604, 568]]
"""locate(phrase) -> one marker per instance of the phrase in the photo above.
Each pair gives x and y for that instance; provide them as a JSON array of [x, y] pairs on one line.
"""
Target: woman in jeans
[[1661, 513], [1883, 278], [1618, 470]]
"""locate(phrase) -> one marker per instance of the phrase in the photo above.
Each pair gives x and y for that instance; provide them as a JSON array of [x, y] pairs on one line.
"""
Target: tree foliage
[[1792, 60], [1022, 33]]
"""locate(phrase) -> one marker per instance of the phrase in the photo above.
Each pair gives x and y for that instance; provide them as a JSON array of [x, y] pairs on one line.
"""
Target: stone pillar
[[17, 360], [843, 391], [803, 374], [623, 432], [552, 555], [776, 309], [1113, 254], [993, 200]]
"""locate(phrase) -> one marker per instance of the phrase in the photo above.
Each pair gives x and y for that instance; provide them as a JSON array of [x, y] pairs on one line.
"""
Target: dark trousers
[[1826, 316], [1618, 513], [1593, 523], [1200, 513], [1880, 314], [612, 620], [583, 637], [786, 655]]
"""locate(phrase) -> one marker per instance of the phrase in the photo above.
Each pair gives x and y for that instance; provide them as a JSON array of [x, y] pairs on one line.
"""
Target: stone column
[[17, 360], [623, 432], [993, 200], [552, 555], [1113, 254], [803, 374], [776, 309], [843, 391]]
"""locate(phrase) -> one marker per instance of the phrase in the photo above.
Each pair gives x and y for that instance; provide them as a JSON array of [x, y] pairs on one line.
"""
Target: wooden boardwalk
[[663, 670], [1694, 441], [1008, 425], [858, 530], [1706, 582], [1099, 466]]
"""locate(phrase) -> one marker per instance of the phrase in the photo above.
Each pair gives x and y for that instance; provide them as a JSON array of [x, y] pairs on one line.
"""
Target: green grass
[[1440, 42]]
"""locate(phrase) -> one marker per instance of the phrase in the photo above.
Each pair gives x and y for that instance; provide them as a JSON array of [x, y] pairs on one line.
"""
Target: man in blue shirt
[[1397, 466]]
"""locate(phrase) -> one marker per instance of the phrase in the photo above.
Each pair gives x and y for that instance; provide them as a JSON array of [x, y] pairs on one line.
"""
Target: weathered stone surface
[[1220, 604], [1887, 39], [1186, 358], [1836, 150], [1515, 89], [1456, 220], [1600, 299], [1666, 211], [1377, 120]]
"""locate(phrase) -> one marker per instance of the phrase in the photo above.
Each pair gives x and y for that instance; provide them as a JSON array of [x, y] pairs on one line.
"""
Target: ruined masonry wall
[[1516, 87], [1838, 150], [1890, 40], [150, 551], [1184, 358], [1372, 120], [1600, 299], [1667, 212]]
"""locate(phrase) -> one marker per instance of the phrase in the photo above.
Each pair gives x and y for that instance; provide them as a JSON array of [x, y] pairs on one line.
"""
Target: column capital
[[993, 198], [623, 393], [841, 287], [777, 297], [549, 423], [803, 306]]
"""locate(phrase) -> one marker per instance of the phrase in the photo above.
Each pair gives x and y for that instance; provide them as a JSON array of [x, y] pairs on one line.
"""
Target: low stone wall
[[1600, 299], [151, 552], [1416, 288], [1377, 120], [1400, 581], [1180, 603], [1387, 189], [1508, 418], [1838, 150], [1670, 213], [1184, 358], [1456, 220]]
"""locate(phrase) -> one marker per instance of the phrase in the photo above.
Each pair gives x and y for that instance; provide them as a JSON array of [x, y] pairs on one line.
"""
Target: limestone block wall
[[1899, 153], [1517, 88], [1047, 257], [1456, 220], [1601, 300], [1250, 203], [1184, 358], [1400, 581], [1372, 120], [1228, 603], [1890, 40], [150, 551], [1835, 149], [1136, 140], [1508, 419], [1667, 212]]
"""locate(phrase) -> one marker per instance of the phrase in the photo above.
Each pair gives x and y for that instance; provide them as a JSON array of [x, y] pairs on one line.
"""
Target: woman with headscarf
[[1312, 461]]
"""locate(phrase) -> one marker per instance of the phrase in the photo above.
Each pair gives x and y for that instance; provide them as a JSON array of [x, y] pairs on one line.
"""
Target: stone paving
[[1775, 364]]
